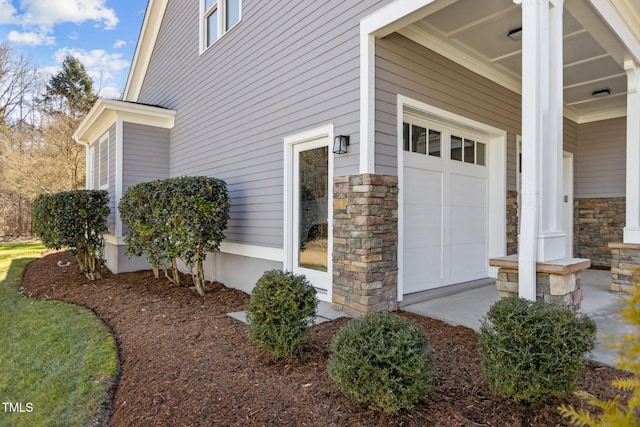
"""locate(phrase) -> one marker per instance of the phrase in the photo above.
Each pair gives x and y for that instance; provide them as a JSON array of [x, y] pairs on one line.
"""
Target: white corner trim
[[119, 172], [367, 102]]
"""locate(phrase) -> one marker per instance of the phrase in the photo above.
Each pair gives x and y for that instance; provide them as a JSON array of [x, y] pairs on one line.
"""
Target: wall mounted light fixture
[[340, 144]]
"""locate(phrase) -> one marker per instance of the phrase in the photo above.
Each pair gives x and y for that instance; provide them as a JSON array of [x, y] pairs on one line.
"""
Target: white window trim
[[91, 161], [496, 157], [103, 139], [220, 6]]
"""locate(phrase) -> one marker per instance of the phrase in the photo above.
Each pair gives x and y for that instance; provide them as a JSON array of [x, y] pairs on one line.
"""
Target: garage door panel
[[468, 191], [465, 263], [423, 269], [424, 229], [468, 225], [424, 187]]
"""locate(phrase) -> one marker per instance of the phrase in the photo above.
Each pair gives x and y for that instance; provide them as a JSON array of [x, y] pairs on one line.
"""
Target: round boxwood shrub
[[280, 311], [383, 360], [532, 350]]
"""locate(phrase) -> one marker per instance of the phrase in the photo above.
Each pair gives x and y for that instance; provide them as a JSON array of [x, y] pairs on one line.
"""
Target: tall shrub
[[76, 220], [143, 211], [618, 412], [177, 218], [531, 350]]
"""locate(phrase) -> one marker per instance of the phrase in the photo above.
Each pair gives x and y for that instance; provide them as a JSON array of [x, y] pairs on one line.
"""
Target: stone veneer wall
[[512, 222], [598, 221], [563, 290], [625, 266], [365, 244]]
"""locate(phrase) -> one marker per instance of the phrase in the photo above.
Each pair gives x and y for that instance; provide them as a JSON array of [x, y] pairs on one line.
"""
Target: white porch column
[[632, 227], [541, 235]]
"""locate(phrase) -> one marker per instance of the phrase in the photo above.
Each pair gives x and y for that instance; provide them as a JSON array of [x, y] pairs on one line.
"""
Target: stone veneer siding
[[563, 290], [512, 222], [365, 244], [598, 221], [625, 266]]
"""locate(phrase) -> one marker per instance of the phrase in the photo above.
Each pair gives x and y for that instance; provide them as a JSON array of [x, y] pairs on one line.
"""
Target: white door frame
[[496, 158], [313, 138]]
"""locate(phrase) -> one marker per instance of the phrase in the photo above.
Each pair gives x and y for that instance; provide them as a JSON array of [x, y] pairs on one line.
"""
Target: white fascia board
[[399, 14], [146, 42], [105, 112], [620, 24]]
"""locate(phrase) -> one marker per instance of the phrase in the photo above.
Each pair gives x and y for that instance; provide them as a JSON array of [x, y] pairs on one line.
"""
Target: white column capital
[[633, 76]]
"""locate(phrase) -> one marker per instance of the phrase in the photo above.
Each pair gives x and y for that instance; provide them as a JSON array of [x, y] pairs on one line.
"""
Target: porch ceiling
[[474, 34]]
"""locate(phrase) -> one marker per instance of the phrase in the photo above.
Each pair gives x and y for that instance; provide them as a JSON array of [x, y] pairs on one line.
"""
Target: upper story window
[[217, 17]]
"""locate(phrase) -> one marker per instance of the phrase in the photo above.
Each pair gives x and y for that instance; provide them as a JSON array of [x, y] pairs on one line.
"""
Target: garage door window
[[468, 151], [421, 140]]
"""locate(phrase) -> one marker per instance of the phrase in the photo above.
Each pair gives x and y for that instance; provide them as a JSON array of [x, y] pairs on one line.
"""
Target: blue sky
[[102, 34]]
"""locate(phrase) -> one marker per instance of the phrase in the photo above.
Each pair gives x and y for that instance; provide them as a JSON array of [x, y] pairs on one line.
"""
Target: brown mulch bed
[[184, 362]]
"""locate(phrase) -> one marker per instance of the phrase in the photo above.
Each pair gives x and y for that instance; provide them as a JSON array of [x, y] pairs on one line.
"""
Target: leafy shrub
[[177, 218], [530, 350], [382, 360], [279, 313], [76, 220], [618, 412]]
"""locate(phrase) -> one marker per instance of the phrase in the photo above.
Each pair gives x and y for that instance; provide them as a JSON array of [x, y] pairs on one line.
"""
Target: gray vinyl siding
[[146, 154], [407, 68], [287, 67], [601, 159]]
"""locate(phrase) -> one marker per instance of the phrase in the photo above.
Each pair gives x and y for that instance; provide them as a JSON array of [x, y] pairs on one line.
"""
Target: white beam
[[631, 232]]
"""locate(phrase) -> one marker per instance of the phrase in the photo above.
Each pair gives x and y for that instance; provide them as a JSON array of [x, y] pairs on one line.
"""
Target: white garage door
[[445, 221]]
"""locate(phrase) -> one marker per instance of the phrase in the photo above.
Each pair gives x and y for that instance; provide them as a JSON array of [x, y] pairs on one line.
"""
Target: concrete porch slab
[[467, 308]]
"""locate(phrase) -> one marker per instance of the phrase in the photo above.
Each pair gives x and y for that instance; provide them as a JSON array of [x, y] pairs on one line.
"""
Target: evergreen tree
[[71, 90]]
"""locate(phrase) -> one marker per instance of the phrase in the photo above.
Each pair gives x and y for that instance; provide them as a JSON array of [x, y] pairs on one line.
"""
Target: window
[[468, 151], [218, 17], [103, 162], [421, 140]]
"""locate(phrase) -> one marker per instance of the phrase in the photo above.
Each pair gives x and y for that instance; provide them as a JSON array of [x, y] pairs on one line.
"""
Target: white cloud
[[119, 43], [41, 13], [94, 59], [110, 92], [7, 12], [30, 38]]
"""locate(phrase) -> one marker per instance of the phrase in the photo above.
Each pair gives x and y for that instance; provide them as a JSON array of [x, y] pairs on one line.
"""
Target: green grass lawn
[[56, 359]]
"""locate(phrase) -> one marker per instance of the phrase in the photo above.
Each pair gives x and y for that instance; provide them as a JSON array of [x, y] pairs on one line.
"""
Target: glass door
[[311, 188]]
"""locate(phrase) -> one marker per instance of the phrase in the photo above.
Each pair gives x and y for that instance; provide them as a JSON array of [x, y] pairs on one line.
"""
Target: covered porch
[[573, 67]]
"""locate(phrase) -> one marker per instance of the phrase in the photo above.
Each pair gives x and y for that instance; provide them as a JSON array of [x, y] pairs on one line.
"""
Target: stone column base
[[558, 282], [365, 244], [625, 266]]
